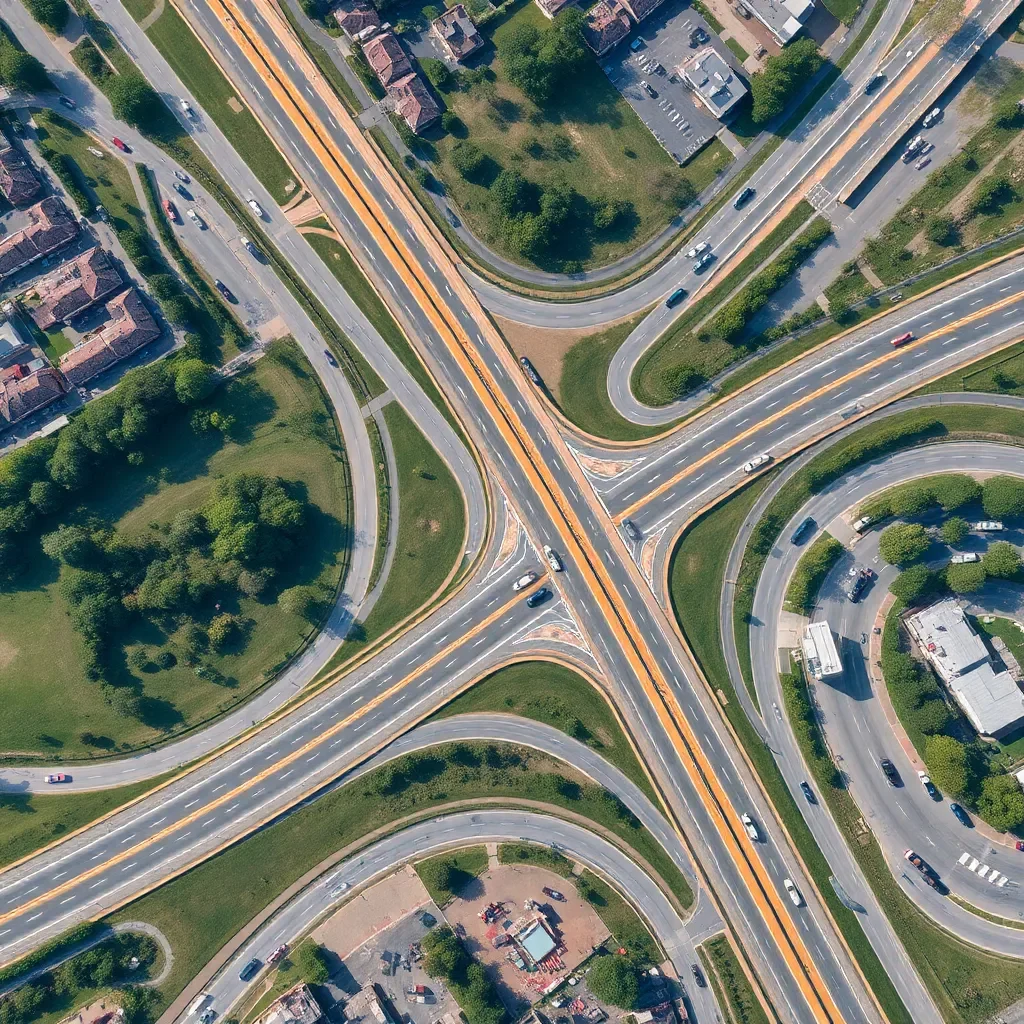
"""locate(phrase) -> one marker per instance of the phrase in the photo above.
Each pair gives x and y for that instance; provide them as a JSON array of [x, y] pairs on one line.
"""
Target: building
[[356, 16], [51, 229], [385, 55], [130, 328], [74, 287], [413, 102], [456, 33], [25, 389], [821, 657], [368, 1005], [991, 700], [783, 18], [296, 1006], [549, 8], [13, 346], [18, 181], [641, 8], [607, 24], [714, 82]]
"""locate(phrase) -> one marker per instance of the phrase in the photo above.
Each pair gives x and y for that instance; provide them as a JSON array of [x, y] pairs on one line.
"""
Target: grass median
[[731, 986], [447, 875]]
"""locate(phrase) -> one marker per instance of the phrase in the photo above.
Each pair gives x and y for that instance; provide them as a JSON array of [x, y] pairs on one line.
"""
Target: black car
[[181, 190], [68, 102], [808, 792], [530, 371], [225, 291], [676, 297], [631, 529], [427, 920], [329, 356], [873, 84], [889, 771], [803, 529], [698, 974], [537, 597], [746, 194], [961, 815], [249, 969]]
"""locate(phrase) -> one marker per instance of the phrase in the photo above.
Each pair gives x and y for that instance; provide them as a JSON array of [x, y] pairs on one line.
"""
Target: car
[[181, 190], [803, 529], [637, 44], [698, 37], [537, 597], [330, 357], [427, 919], [648, 88], [922, 163], [207, 1015], [553, 559], [862, 524], [251, 249], [699, 248], [632, 530], [961, 815], [58, 777], [750, 826], [198, 1003], [186, 109], [793, 892], [196, 219], [182, 176], [927, 148], [524, 581], [743, 197], [554, 894], [530, 370], [902, 339], [698, 975], [808, 793], [224, 290], [929, 786], [256, 208], [703, 261], [965, 558], [249, 969], [757, 462], [172, 212], [927, 872], [123, 146], [860, 579], [931, 117], [278, 953], [889, 771], [676, 297], [873, 83], [339, 889], [67, 101], [988, 526]]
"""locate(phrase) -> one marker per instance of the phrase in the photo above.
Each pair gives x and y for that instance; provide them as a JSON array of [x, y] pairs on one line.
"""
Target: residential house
[[413, 102], [355, 16], [785, 20], [52, 227], [549, 8], [130, 328], [606, 24], [385, 55], [25, 389], [18, 181], [74, 287], [13, 347], [456, 33], [714, 82]]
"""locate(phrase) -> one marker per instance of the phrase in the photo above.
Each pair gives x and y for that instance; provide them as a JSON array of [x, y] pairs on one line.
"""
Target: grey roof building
[[714, 82], [783, 18]]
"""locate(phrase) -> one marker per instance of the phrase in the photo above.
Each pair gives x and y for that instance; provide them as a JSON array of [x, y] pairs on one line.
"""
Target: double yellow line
[[627, 633]]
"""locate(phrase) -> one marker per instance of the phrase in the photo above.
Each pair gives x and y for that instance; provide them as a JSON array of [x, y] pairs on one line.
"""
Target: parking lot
[[675, 116]]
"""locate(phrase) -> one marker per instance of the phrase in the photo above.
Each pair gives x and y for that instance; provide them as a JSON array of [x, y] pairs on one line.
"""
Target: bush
[[1001, 802], [966, 578], [913, 584], [311, 961], [814, 565], [1002, 560], [903, 543], [948, 765], [615, 979], [468, 160], [51, 14], [941, 230], [954, 530], [1003, 496], [782, 77]]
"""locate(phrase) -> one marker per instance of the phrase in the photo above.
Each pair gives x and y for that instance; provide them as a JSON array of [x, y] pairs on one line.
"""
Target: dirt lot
[[580, 927]]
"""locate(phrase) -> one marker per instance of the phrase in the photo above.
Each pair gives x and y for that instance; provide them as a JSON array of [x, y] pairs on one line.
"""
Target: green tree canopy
[[615, 979], [542, 62], [948, 765], [1002, 560], [1001, 802], [135, 101], [912, 584], [903, 543], [965, 578], [52, 14], [311, 960], [782, 76], [1003, 496], [954, 530]]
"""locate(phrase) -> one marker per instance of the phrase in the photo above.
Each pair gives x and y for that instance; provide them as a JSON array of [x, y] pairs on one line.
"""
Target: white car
[[756, 462], [198, 1003], [256, 208], [187, 110], [793, 892], [552, 556], [987, 526], [524, 581], [339, 888], [697, 250], [862, 524], [751, 827], [970, 556], [931, 117], [196, 219]]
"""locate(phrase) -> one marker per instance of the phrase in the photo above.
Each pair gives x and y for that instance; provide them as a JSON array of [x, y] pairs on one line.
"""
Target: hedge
[[814, 565]]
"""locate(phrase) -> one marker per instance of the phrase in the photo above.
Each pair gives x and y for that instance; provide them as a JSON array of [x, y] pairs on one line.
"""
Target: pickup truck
[[553, 558]]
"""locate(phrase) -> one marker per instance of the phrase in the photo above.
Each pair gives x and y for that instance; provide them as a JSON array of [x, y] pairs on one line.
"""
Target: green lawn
[[285, 429], [464, 865], [204, 79], [731, 985], [202, 909], [588, 137], [547, 692], [844, 10], [733, 45], [620, 918], [538, 856], [810, 572]]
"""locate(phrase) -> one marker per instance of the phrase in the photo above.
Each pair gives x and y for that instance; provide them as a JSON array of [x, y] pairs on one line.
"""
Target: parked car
[[808, 793], [181, 190], [931, 117], [196, 219], [207, 1015], [648, 88], [862, 524], [902, 339], [700, 247], [929, 786], [172, 212], [750, 826], [58, 777], [922, 163], [225, 291], [257, 209], [251, 249], [743, 197], [530, 371], [961, 815], [554, 894], [965, 558], [757, 462], [329, 356], [889, 771], [123, 146], [793, 892], [537, 597], [67, 101], [988, 526], [553, 558], [524, 581], [676, 297], [803, 529], [631, 530], [249, 969]]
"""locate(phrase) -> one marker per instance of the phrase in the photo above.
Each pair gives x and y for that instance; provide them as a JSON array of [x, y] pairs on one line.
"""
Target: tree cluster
[[949, 492], [810, 573], [446, 957], [542, 62], [311, 959], [903, 543], [51, 14], [20, 71], [615, 979], [782, 77]]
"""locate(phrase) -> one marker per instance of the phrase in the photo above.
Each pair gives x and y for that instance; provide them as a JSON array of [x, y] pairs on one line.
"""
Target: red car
[[278, 953], [902, 339], [171, 211], [59, 777], [123, 146]]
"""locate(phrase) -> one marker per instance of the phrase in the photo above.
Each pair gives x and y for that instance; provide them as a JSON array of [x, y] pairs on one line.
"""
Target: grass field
[[588, 137], [547, 692], [284, 429], [624, 923], [200, 910], [733, 45], [539, 856], [201, 76], [465, 864], [731, 985]]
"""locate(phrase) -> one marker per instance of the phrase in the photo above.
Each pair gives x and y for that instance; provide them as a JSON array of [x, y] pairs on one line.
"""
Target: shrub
[[966, 578], [948, 764], [615, 979], [782, 76], [1003, 496], [814, 565], [954, 530], [311, 961], [903, 543], [1002, 560], [1001, 802], [51, 14]]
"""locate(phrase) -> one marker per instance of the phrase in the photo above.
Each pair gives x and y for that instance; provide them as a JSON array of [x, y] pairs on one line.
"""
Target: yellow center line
[[291, 758], [889, 357]]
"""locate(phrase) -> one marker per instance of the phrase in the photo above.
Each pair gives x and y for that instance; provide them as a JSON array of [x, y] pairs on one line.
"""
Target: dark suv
[[742, 198], [249, 969]]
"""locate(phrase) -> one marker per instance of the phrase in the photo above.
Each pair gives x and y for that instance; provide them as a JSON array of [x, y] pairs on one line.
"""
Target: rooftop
[[354, 16], [714, 82], [606, 24], [23, 393], [549, 8], [385, 55], [537, 941], [74, 287], [52, 226], [820, 654], [457, 32], [11, 341], [413, 102], [18, 181], [641, 8], [296, 1006], [783, 18]]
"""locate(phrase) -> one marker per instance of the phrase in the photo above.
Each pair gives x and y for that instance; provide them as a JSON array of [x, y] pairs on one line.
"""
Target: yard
[[587, 137], [283, 428]]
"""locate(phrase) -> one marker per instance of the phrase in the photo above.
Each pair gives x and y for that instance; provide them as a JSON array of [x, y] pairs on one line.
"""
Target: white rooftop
[[714, 82], [783, 18], [820, 654]]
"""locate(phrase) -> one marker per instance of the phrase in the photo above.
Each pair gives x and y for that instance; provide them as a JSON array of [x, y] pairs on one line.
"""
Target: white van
[[198, 1003]]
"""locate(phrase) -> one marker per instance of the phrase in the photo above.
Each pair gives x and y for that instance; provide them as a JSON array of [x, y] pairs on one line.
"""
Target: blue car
[[961, 815]]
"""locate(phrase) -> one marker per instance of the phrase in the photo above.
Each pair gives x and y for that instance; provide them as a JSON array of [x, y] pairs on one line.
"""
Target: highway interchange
[[623, 632]]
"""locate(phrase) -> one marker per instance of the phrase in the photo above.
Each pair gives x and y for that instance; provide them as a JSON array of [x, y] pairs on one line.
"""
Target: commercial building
[[296, 1006], [52, 227], [74, 287], [821, 657], [456, 33], [18, 181], [607, 24], [785, 19], [369, 1006], [714, 82], [990, 699]]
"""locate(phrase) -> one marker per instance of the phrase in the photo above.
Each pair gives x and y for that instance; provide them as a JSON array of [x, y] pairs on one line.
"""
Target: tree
[[966, 578], [123, 700], [438, 875], [954, 530], [311, 961], [438, 74], [255, 583], [679, 380], [180, 310], [1001, 802], [444, 953], [541, 62], [1003, 496], [783, 74], [903, 543], [72, 545], [912, 584], [20, 70], [993, 192], [468, 160], [1002, 560], [223, 630], [194, 380], [941, 230], [51, 14], [614, 979], [135, 101], [452, 123], [947, 763], [932, 716], [513, 193], [302, 601]]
